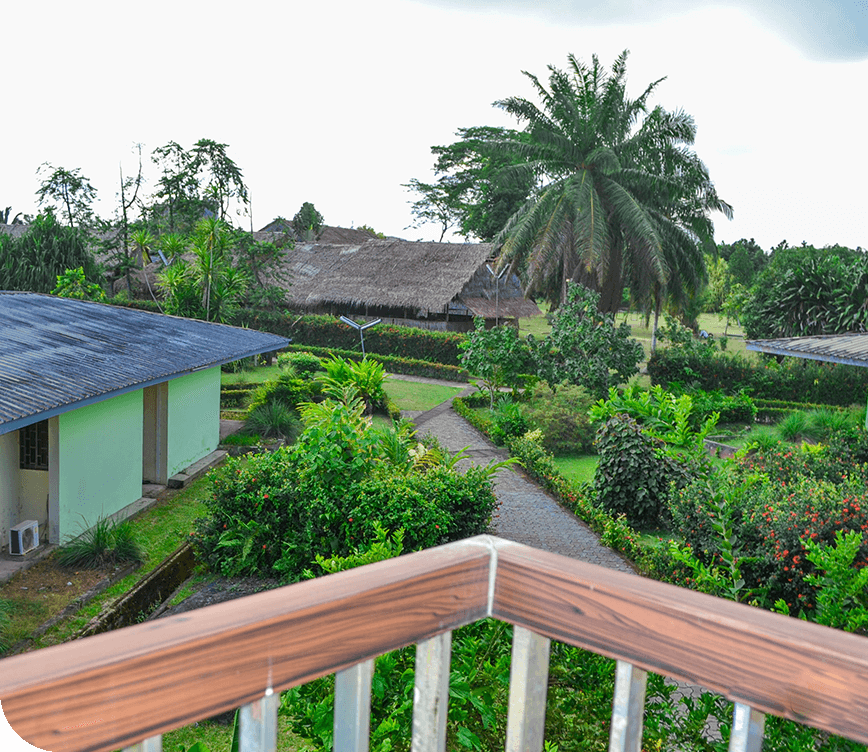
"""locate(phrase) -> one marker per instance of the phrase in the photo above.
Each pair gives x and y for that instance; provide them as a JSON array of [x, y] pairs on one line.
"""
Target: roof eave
[[760, 346], [52, 412]]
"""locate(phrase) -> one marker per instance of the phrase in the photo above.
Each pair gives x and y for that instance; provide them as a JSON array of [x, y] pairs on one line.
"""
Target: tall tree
[[307, 222], [435, 205], [68, 191], [177, 186], [221, 178], [623, 201], [474, 191]]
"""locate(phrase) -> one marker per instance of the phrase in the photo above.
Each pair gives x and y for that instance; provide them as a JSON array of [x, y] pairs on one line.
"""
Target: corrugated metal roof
[[847, 349], [57, 354]]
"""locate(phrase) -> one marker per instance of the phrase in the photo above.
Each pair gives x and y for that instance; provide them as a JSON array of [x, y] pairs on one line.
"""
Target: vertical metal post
[[152, 744], [748, 726], [628, 708], [258, 724], [353, 708], [528, 688], [431, 694]]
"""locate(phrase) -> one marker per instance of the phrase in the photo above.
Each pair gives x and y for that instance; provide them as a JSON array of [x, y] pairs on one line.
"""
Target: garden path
[[527, 514]]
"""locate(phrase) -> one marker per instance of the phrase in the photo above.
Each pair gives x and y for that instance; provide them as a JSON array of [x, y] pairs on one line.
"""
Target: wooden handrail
[[111, 690], [776, 664]]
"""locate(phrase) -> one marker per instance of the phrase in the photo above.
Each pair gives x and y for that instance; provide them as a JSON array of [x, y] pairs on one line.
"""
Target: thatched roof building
[[439, 285]]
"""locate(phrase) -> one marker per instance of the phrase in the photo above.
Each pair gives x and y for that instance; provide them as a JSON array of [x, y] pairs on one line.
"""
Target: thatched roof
[[402, 274], [392, 273], [16, 231]]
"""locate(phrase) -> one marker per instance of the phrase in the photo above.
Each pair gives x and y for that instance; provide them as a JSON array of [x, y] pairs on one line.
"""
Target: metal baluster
[[628, 708], [748, 726], [431, 693], [353, 708], [528, 687], [258, 721], [151, 744]]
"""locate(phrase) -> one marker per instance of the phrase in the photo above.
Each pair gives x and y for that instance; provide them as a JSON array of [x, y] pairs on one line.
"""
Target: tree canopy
[[622, 200], [66, 191], [474, 192]]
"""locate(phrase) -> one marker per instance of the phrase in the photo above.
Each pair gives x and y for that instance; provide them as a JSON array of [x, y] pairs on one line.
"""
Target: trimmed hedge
[[407, 366], [232, 398], [795, 379], [383, 339]]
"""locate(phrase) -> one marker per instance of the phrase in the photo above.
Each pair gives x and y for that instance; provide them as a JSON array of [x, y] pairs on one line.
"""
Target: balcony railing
[[129, 686]]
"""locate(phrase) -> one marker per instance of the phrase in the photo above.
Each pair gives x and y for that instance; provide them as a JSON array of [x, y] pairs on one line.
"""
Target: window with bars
[[33, 446]]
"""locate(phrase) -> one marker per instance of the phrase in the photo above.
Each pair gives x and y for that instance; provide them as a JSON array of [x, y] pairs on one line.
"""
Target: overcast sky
[[339, 103]]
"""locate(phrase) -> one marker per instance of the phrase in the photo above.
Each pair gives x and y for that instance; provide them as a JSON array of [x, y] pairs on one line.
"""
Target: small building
[[431, 285], [850, 349], [96, 400]]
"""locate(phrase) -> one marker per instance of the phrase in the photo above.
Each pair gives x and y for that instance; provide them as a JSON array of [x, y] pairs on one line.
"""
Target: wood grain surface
[[114, 689], [780, 665], [109, 690]]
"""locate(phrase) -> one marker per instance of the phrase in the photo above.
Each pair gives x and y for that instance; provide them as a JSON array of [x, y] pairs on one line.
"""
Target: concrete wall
[[99, 461], [194, 418], [8, 484]]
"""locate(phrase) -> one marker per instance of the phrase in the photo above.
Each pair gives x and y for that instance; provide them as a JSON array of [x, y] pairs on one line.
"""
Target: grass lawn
[[412, 395], [256, 375], [218, 737], [159, 530], [577, 468]]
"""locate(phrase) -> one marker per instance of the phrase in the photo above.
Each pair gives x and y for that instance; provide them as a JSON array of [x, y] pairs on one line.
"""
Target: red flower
[[264, 496]]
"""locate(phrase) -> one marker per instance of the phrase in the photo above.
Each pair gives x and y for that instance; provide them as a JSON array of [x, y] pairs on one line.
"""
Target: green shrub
[[287, 389], [795, 379], [795, 427], [272, 514], [108, 542], [508, 420], [562, 416], [366, 377], [395, 364], [737, 408], [634, 472], [303, 363], [273, 420], [498, 356], [230, 398]]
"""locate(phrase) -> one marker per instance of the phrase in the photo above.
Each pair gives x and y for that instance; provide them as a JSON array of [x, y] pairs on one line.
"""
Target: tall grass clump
[[107, 543], [274, 420]]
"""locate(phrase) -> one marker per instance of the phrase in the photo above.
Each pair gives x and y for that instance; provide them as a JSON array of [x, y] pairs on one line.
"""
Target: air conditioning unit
[[23, 537]]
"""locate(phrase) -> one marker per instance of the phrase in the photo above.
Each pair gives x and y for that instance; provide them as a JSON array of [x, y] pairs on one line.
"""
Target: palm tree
[[621, 200]]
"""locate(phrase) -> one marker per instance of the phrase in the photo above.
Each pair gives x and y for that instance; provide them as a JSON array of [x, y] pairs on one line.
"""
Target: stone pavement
[[527, 514]]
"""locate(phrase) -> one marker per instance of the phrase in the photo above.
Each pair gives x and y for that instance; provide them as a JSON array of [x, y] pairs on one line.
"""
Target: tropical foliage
[[47, 250], [808, 291], [623, 200], [474, 191], [585, 347]]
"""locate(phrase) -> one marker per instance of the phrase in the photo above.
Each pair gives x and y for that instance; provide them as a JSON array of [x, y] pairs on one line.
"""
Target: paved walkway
[[527, 514]]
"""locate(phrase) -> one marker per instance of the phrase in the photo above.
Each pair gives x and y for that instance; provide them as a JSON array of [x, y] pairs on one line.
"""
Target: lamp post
[[361, 328]]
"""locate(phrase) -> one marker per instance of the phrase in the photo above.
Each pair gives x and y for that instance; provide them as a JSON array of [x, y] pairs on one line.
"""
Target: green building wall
[[99, 461], [194, 418]]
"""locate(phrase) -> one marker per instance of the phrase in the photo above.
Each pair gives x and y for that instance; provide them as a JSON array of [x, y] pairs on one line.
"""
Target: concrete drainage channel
[[148, 596]]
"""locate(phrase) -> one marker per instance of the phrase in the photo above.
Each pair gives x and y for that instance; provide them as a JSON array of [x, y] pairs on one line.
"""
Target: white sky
[[339, 103]]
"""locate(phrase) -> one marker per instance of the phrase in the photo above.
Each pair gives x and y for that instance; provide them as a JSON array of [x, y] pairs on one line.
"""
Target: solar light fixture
[[497, 278], [361, 328]]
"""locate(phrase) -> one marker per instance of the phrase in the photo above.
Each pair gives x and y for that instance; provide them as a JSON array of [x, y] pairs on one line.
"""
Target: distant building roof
[[847, 349], [58, 354], [401, 274]]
